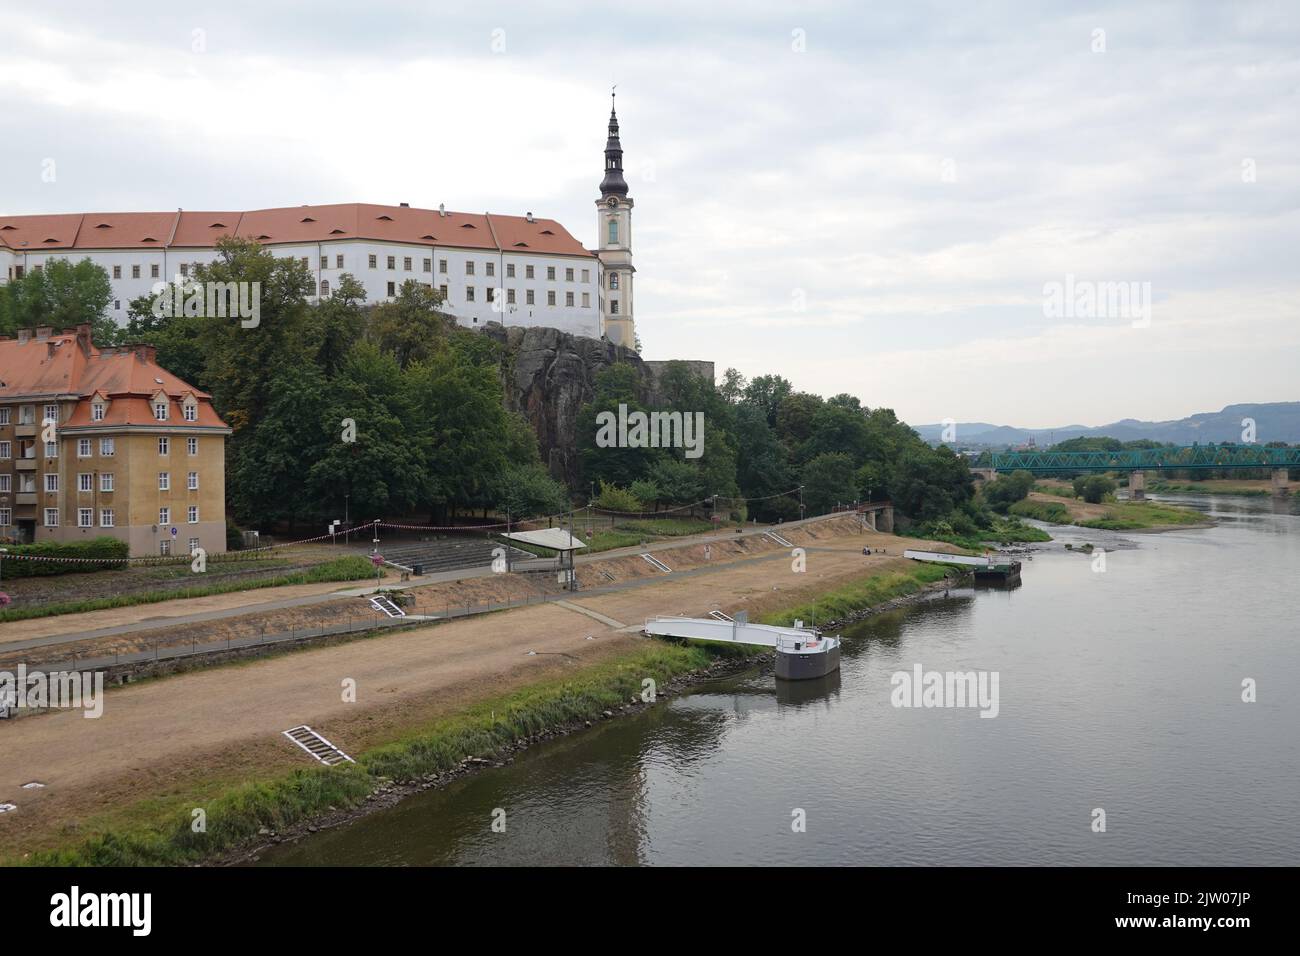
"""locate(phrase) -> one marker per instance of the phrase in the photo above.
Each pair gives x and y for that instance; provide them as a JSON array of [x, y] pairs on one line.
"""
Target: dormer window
[[384, 218], [192, 411], [217, 225], [307, 219], [97, 412], [160, 411]]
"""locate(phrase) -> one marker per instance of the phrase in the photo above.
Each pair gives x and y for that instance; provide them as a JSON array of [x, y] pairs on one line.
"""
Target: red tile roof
[[297, 224], [69, 364]]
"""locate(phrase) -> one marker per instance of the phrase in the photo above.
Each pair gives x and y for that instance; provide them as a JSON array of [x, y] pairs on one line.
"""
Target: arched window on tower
[[613, 280], [613, 230]]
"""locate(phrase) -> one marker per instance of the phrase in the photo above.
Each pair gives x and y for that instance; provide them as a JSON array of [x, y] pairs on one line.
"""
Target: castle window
[[528, 296], [568, 299], [613, 306], [510, 296], [491, 267], [510, 270], [469, 293], [406, 264], [586, 300], [469, 267], [392, 262], [324, 291], [568, 275], [374, 262], [338, 262], [528, 272], [550, 298], [550, 273]]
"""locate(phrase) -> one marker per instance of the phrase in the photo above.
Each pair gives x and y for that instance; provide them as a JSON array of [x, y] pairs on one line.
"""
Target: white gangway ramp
[[316, 745], [729, 632], [942, 557]]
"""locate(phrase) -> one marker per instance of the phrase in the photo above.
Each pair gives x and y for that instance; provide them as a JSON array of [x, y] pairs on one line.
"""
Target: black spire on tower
[[613, 184]]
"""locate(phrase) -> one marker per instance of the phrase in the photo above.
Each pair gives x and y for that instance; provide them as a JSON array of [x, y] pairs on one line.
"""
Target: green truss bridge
[[1138, 461], [1189, 457]]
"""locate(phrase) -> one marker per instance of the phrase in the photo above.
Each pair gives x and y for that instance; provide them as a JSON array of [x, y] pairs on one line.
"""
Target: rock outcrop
[[548, 376]]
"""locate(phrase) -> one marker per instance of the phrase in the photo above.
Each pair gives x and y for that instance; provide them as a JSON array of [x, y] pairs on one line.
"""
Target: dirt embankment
[[200, 732]]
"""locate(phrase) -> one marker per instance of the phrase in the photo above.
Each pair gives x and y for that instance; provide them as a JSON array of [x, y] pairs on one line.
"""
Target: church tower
[[614, 243]]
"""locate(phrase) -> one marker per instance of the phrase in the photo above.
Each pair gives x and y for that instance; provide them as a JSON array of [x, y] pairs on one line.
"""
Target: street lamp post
[[801, 502]]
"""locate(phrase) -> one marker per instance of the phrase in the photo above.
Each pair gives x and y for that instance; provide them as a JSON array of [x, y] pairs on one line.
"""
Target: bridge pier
[[1137, 486], [984, 474], [1281, 478]]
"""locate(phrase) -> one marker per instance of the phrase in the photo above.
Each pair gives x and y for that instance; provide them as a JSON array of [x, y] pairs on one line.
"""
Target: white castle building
[[516, 270]]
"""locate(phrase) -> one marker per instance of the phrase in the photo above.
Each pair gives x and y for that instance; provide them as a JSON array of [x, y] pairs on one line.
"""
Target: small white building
[[516, 270]]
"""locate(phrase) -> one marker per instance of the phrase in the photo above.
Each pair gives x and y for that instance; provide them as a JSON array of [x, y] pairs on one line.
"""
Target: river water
[[1118, 690]]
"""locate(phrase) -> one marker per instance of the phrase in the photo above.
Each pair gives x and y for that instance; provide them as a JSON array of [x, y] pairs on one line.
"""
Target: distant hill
[[1274, 421]]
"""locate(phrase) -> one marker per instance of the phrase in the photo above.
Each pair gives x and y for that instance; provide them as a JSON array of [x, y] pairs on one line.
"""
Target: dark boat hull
[[807, 666]]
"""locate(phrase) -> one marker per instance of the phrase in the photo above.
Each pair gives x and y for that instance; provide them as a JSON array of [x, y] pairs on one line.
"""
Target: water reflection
[[1119, 689]]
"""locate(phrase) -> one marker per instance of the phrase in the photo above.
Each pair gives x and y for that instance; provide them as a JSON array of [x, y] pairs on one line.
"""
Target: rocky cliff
[[548, 375]]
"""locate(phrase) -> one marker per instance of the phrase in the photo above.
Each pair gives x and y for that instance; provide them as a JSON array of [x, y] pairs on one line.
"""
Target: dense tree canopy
[[392, 410]]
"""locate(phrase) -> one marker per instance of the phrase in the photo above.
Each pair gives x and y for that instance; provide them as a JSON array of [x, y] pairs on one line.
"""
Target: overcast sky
[[863, 198]]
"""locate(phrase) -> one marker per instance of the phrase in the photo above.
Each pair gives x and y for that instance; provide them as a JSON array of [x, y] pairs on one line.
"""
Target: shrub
[[104, 547], [614, 498]]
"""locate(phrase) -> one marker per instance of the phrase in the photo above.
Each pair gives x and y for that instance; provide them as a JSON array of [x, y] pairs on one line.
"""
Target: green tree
[[1005, 491], [413, 325], [1094, 488], [527, 491], [828, 481], [61, 294]]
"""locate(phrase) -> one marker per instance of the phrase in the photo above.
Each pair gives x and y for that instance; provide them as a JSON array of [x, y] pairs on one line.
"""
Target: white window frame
[[106, 518], [105, 482]]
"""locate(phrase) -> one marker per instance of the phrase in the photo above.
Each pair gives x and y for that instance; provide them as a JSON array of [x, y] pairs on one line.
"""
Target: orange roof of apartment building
[[47, 365], [292, 225]]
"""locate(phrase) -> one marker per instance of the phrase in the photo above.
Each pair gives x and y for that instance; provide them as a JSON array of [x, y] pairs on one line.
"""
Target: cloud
[[876, 214]]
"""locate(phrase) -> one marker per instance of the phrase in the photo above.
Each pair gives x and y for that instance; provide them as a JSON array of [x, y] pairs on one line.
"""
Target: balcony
[[25, 498], [27, 430], [25, 464]]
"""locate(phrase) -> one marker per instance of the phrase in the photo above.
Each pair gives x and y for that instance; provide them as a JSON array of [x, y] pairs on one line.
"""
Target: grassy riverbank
[[1251, 489], [1143, 515], [160, 831], [870, 592], [351, 568], [1106, 515]]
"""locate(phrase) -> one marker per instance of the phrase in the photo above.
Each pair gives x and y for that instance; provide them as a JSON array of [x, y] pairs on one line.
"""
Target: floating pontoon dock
[[801, 652], [986, 567]]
